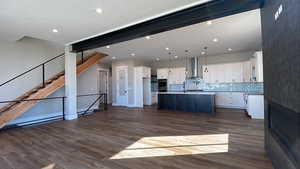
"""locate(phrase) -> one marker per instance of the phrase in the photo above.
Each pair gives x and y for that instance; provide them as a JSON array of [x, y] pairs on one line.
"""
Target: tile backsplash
[[256, 87], [249, 87]]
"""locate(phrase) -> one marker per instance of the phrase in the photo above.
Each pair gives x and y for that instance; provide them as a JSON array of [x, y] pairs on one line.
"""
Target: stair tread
[[42, 92]]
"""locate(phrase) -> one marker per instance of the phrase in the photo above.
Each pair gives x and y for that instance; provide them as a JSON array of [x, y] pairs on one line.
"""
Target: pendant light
[[170, 59], [205, 60], [186, 64]]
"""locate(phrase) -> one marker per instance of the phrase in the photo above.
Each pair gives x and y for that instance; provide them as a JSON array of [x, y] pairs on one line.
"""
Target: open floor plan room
[[150, 84], [135, 138]]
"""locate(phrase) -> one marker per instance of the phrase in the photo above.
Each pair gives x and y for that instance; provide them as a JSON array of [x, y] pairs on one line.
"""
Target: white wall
[[17, 57]]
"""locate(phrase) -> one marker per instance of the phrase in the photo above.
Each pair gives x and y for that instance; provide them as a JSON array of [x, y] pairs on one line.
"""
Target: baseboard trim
[[230, 107], [32, 120]]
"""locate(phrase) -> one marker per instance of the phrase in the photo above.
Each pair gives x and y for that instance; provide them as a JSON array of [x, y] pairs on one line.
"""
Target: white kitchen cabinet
[[259, 66], [246, 71], [236, 72], [223, 73], [206, 75], [233, 100], [146, 72], [176, 76], [154, 97], [163, 73], [255, 106]]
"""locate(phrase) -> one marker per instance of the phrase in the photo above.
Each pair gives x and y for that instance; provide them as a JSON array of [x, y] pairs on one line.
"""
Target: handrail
[[27, 100], [42, 64], [101, 95]]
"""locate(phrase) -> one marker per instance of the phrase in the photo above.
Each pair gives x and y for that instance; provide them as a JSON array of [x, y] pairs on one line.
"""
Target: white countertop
[[197, 93]]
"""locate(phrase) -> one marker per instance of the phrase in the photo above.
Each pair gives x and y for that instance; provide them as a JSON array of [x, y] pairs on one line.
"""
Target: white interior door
[[122, 86], [103, 81]]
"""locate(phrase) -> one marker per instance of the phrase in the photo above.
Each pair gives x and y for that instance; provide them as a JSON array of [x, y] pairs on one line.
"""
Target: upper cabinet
[[174, 75], [248, 71], [223, 73], [259, 66], [146, 72], [162, 73]]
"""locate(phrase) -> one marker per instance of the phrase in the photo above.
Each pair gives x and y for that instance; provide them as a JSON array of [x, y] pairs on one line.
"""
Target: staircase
[[13, 110]]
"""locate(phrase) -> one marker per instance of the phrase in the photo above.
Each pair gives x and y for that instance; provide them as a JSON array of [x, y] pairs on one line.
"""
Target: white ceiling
[[77, 19], [241, 32]]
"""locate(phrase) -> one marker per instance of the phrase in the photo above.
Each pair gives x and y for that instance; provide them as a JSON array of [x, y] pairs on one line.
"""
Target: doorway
[[103, 83], [122, 85]]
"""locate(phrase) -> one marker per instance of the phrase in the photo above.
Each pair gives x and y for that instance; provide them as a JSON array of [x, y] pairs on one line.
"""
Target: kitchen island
[[198, 102]]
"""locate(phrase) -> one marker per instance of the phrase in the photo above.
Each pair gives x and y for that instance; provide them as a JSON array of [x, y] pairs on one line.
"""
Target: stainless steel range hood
[[195, 68]]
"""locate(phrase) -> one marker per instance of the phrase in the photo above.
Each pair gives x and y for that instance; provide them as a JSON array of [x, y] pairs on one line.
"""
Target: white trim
[[36, 118], [107, 81], [133, 105], [117, 85], [144, 20], [230, 107], [42, 118], [128, 105]]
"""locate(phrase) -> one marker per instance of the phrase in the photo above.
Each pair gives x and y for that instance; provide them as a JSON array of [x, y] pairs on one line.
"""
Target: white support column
[[70, 85]]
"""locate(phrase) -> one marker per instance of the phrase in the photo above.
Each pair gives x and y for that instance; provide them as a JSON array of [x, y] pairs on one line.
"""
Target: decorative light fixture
[[170, 57], [148, 37], [108, 47], [167, 48], [209, 22], [186, 64], [99, 10], [205, 60], [54, 30], [215, 39]]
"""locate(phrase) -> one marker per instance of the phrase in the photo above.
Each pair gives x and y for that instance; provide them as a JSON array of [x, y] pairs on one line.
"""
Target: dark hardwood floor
[[124, 138]]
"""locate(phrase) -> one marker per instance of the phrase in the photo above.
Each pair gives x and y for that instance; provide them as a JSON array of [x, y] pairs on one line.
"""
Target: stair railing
[[102, 99], [34, 68]]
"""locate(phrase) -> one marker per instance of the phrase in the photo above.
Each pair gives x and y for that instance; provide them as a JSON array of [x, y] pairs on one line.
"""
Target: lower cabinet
[[255, 106], [153, 97], [187, 102], [230, 100]]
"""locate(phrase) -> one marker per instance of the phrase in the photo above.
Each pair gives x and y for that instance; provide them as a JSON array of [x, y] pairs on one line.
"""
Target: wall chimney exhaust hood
[[194, 68]]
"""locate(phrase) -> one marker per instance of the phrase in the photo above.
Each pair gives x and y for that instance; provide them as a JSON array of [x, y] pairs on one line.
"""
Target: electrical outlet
[[278, 12]]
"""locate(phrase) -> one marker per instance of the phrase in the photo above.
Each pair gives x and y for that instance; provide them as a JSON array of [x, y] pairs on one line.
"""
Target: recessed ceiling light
[[99, 10], [157, 59], [54, 30], [176, 57], [107, 47], [229, 49], [215, 39], [148, 37], [202, 53], [167, 48], [209, 22], [113, 57], [133, 54]]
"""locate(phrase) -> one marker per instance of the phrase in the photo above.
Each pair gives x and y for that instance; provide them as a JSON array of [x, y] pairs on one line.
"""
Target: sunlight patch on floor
[[51, 166], [175, 145]]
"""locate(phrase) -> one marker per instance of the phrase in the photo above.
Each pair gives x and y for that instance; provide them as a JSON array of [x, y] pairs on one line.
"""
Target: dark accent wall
[[281, 48]]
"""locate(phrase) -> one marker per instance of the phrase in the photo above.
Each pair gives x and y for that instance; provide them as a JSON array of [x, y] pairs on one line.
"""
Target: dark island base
[[187, 102]]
